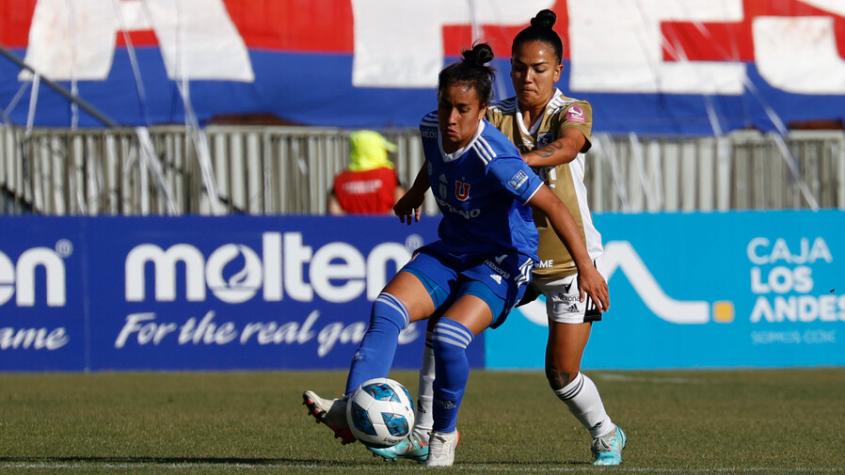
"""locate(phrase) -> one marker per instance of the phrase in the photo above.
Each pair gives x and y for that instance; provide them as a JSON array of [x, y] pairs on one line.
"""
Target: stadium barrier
[[706, 290], [289, 170], [194, 293], [688, 290]]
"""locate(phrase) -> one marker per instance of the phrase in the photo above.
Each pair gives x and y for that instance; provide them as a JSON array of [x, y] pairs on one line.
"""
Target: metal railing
[[281, 170]]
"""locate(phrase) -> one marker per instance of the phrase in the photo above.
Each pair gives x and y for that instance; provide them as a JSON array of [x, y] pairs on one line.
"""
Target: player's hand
[[408, 208], [592, 284]]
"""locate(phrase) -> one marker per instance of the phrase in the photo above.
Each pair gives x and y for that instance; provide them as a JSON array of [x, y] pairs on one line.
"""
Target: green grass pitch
[[780, 421]]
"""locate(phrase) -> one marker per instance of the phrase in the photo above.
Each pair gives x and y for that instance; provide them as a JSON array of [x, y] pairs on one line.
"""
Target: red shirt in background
[[367, 192]]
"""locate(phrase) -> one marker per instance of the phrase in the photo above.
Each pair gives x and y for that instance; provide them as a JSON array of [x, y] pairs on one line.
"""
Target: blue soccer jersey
[[482, 191]]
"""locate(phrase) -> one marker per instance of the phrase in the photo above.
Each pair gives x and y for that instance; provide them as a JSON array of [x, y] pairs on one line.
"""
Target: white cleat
[[331, 412], [441, 449]]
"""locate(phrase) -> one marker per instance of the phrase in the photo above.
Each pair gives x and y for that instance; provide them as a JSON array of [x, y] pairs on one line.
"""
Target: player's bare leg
[[563, 371]]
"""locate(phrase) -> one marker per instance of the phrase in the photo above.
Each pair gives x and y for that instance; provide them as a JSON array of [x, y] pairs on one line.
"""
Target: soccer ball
[[380, 412]]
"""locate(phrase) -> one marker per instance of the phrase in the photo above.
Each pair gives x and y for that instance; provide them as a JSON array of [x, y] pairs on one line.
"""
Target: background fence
[[270, 170]]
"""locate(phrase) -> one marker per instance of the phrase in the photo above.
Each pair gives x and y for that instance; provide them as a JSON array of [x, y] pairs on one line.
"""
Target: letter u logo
[[461, 190]]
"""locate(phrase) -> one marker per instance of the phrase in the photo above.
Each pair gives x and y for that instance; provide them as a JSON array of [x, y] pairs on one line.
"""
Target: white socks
[[583, 399], [424, 416]]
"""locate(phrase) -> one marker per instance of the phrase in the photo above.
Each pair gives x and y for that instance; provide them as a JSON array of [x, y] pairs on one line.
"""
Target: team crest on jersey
[[461, 190], [575, 114]]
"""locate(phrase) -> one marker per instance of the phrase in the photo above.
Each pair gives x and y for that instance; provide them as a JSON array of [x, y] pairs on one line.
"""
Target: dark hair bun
[[544, 19], [479, 55]]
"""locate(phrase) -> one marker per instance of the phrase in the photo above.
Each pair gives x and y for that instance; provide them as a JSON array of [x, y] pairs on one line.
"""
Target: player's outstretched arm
[[562, 150], [590, 282], [408, 208]]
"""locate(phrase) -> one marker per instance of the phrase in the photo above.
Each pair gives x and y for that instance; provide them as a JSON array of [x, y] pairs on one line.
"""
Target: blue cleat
[[415, 447], [607, 450]]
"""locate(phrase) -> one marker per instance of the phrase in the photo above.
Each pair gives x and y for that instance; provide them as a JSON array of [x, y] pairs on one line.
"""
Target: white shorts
[[562, 300]]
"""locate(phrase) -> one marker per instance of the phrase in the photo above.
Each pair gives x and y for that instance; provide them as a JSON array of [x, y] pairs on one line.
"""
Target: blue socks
[[450, 340], [374, 356]]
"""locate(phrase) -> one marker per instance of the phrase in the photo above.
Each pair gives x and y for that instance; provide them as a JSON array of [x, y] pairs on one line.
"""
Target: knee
[[559, 376], [450, 336], [389, 309]]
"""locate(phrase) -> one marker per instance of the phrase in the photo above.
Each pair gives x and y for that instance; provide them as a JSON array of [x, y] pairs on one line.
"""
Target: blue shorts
[[499, 281]]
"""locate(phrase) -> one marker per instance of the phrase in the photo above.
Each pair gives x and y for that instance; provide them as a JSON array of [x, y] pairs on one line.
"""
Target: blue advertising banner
[[721, 290], [42, 297], [194, 293], [688, 291]]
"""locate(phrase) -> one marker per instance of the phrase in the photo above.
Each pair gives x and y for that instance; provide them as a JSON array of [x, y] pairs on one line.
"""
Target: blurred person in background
[[369, 184], [552, 131], [479, 268]]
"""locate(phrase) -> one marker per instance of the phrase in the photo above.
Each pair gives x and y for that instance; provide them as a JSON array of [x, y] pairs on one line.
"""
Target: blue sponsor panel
[[243, 292], [195, 293], [720, 290], [42, 299]]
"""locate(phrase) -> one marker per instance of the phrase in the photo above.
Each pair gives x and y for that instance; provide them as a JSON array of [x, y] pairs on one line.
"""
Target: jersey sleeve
[[516, 177], [579, 116], [428, 125], [494, 115]]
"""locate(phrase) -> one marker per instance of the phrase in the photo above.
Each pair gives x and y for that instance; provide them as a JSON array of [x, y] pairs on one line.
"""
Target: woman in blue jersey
[[552, 132], [479, 268]]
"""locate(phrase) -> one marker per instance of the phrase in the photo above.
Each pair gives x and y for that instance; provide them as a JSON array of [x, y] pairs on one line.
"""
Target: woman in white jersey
[[553, 132]]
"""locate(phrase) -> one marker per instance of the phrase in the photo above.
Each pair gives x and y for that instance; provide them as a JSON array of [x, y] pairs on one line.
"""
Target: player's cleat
[[331, 412], [415, 447], [441, 449], [607, 450]]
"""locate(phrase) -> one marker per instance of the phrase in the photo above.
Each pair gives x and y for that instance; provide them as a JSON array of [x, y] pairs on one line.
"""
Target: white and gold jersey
[[566, 180]]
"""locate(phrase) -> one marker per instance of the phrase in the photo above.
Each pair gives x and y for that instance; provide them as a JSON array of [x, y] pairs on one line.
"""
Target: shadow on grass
[[256, 461], [174, 461], [535, 463]]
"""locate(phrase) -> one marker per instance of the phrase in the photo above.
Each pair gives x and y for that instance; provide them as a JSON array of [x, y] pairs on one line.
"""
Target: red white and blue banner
[[662, 66]]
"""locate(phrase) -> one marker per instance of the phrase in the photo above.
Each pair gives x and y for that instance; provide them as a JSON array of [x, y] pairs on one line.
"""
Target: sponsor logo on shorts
[[565, 298], [497, 269]]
